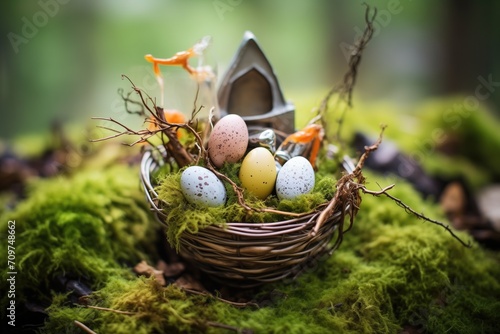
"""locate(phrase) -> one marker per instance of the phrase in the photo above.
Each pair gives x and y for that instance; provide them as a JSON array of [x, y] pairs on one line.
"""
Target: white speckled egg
[[228, 141], [295, 178], [258, 172], [200, 186]]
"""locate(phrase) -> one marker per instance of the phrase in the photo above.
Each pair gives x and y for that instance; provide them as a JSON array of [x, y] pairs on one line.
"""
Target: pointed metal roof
[[251, 89]]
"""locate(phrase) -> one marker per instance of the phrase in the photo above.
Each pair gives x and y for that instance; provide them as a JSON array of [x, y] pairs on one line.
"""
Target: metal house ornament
[[250, 89]]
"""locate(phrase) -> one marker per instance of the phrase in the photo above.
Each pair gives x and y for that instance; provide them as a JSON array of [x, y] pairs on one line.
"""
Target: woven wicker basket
[[249, 254]]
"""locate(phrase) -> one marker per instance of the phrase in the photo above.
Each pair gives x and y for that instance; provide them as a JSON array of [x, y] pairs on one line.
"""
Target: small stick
[[327, 212], [346, 87], [140, 92], [368, 149], [200, 293], [410, 210], [83, 327], [232, 328], [343, 188], [128, 100], [283, 213], [241, 201], [111, 310]]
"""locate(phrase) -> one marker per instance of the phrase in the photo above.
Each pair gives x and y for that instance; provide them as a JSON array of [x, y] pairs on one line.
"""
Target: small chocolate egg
[[228, 141], [201, 186], [258, 172], [295, 178]]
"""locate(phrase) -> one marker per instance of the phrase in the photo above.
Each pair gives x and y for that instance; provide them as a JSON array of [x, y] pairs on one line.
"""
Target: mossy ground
[[91, 225], [391, 270]]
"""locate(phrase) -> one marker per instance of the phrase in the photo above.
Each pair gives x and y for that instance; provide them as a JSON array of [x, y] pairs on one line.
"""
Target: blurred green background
[[63, 59]]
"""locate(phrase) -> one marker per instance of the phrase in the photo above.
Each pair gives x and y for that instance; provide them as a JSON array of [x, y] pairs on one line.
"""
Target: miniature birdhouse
[[251, 89]]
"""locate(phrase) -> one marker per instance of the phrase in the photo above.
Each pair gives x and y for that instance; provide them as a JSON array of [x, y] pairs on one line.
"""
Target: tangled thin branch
[[347, 198], [157, 125], [345, 89], [409, 210]]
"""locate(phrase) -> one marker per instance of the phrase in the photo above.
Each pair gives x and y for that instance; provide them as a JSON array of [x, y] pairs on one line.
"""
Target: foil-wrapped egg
[[228, 141], [295, 178], [201, 186], [258, 172]]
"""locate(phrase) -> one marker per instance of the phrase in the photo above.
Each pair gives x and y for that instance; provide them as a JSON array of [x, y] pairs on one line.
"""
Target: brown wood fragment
[[171, 269], [143, 268], [188, 282]]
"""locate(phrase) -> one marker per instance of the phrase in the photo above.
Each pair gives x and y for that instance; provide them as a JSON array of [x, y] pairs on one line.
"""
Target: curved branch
[[408, 209]]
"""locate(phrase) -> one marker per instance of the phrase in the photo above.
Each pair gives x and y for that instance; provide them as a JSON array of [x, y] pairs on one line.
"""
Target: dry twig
[[345, 89], [241, 200], [347, 198], [411, 211], [228, 327], [162, 127], [236, 304], [83, 327], [111, 310]]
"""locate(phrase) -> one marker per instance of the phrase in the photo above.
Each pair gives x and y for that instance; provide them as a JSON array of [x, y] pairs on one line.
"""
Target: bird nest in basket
[[241, 193], [247, 240]]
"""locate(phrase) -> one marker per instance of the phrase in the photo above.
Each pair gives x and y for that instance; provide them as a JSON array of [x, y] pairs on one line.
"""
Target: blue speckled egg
[[295, 178], [201, 186]]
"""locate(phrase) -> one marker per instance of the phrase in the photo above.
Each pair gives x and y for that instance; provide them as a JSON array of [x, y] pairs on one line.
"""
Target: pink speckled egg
[[228, 141]]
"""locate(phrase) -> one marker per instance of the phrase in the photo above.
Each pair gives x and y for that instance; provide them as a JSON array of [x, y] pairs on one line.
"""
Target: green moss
[[427, 267], [145, 307], [85, 226], [474, 132]]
